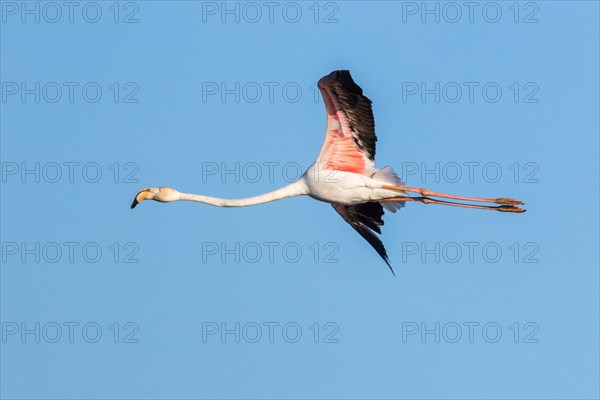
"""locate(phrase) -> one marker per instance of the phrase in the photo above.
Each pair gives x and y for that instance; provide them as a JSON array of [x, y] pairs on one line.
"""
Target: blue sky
[[285, 300]]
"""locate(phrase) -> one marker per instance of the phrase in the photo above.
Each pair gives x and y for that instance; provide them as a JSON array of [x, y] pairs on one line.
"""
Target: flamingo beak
[[141, 196]]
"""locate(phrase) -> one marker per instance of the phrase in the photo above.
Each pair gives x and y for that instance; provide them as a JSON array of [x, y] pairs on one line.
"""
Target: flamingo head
[[162, 194]]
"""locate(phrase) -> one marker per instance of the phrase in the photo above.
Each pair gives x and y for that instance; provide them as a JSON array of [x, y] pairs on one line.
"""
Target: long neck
[[297, 188]]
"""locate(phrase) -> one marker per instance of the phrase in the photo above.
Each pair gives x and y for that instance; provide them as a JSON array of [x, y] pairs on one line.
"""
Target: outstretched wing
[[366, 218], [350, 138]]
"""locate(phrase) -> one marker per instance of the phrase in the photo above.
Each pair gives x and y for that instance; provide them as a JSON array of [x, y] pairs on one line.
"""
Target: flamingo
[[344, 173]]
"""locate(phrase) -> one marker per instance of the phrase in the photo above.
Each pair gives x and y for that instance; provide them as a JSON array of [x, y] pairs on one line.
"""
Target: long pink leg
[[427, 200], [427, 192]]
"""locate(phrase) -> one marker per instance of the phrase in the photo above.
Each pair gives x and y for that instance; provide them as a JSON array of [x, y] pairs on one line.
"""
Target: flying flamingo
[[344, 173]]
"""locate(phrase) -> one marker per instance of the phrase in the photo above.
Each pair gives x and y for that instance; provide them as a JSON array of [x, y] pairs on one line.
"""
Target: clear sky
[[285, 300]]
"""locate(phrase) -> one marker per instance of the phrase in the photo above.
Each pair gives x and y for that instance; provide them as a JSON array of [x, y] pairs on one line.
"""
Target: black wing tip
[[344, 78], [365, 218], [387, 261], [339, 75], [342, 73]]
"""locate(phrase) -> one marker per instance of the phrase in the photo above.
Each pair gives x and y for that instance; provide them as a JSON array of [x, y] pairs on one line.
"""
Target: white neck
[[297, 188]]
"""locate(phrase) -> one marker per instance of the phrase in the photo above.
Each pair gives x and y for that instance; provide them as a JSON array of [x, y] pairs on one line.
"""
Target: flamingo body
[[344, 187]]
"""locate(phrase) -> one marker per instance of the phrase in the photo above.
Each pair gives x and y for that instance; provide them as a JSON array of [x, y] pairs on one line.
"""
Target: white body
[[346, 187]]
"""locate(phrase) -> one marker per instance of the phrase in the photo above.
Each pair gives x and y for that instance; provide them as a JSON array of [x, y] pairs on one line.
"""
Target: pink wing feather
[[350, 137]]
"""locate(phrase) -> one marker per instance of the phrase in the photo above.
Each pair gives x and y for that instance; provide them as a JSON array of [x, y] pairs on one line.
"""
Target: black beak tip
[[135, 203]]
